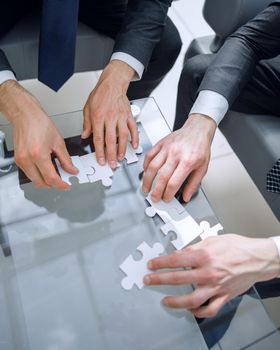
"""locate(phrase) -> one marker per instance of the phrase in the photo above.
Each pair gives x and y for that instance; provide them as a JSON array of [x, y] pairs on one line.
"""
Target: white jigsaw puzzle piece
[[186, 229], [162, 209], [81, 176], [209, 231], [97, 171], [135, 110], [131, 153], [136, 270]]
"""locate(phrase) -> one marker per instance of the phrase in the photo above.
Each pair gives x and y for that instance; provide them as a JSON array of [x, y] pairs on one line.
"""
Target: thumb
[[65, 160], [86, 126]]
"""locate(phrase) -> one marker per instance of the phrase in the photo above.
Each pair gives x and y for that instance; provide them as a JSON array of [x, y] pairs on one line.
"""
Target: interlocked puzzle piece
[[97, 171], [81, 176], [162, 209], [176, 220], [135, 110], [185, 228], [131, 153], [89, 170], [209, 231], [136, 270]]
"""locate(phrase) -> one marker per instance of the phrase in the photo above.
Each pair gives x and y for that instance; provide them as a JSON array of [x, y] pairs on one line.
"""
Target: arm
[[235, 63], [141, 29], [107, 113], [225, 78], [221, 268]]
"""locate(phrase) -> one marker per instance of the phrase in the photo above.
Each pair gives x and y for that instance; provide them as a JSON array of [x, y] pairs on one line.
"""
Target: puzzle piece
[[164, 210], [131, 153], [81, 176], [209, 231], [186, 229], [135, 110], [136, 270], [97, 171]]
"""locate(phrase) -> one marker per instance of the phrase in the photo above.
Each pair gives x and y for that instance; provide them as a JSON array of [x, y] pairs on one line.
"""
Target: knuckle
[[204, 257], [38, 184], [20, 157], [51, 179], [98, 139], [97, 113], [212, 311], [36, 153], [123, 133], [172, 185], [192, 303], [173, 260]]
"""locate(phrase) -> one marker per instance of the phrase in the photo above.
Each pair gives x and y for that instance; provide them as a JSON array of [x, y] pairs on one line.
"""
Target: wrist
[[119, 72], [268, 256], [205, 124]]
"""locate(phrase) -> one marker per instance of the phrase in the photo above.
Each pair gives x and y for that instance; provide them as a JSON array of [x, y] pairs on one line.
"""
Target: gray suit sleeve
[[142, 27], [236, 61]]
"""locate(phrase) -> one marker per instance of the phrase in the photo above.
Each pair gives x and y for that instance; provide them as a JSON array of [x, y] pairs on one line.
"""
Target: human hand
[[35, 137], [221, 267], [107, 114], [184, 153]]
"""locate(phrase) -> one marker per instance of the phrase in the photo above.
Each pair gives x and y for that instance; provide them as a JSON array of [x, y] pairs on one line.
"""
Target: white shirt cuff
[[211, 104], [6, 75], [276, 240], [131, 61]]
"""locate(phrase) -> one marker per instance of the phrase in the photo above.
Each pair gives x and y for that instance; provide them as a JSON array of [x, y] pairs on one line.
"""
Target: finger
[[87, 127], [152, 171], [132, 126], [212, 309], [64, 158], [151, 155], [165, 174], [111, 145], [33, 173], [98, 140], [193, 183], [175, 181], [178, 259], [50, 176], [190, 301], [122, 139], [174, 278]]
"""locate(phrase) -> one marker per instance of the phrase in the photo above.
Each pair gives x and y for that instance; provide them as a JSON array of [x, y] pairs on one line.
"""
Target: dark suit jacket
[[140, 32], [236, 61]]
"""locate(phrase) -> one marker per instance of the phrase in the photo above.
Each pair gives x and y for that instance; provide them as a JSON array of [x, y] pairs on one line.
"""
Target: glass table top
[[60, 282]]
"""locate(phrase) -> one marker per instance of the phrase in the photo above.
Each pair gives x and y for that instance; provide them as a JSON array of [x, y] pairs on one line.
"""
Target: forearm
[[235, 63], [142, 28]]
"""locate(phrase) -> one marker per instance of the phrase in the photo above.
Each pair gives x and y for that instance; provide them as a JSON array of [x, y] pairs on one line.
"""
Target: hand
[[35, 137], [184, 153], [221, 268], [107, 114]]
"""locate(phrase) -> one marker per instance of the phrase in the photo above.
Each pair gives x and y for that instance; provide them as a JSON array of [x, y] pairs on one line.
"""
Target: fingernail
[[164, 301], [101, 161], [121, 156], [134, 145], [113, 164], [147, 280]]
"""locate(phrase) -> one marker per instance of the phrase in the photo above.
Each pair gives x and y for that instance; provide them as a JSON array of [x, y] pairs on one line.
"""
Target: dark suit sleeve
[[236, 61], [4, 63], [142, 27]]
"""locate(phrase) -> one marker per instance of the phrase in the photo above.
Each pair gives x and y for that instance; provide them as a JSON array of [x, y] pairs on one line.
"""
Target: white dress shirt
[[215, 106], [121, 56], [6, 75]]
